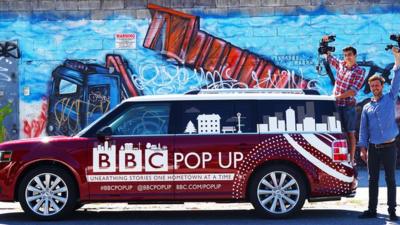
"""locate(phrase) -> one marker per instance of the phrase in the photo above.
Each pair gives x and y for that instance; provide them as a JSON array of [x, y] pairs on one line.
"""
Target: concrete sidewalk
[[340, 212]]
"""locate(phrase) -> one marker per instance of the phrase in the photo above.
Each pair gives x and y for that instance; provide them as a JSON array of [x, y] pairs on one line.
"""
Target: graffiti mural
[[9, 99], [4, 112], [36, 126], [80, 93], [9, 49], [178, 36], [72, 71]]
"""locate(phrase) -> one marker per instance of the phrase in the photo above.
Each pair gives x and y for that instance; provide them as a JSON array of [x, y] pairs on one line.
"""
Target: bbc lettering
[[130, 158]]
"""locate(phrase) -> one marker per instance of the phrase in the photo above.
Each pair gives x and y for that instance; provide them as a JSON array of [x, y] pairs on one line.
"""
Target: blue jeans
[[348, 118]]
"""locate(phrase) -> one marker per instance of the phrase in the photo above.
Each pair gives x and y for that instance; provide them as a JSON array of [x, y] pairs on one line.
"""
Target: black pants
[[388, 157]]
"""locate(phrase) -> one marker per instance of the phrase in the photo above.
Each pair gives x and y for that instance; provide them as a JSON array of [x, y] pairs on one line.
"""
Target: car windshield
[[83, 132]]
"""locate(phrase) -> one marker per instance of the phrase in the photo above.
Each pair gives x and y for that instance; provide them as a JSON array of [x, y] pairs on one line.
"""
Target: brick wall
[[106, 9]]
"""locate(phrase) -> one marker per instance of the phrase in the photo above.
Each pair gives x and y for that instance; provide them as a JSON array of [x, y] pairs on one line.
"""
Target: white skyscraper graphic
[[321, 127], [299, 127], [338, 126], [281, 125], [262, 128], [333, 124], [307, 123], [290, 120], [273, 123]]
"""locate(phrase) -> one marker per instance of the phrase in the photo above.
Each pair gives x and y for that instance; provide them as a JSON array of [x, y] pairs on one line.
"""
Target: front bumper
[[6, 189]]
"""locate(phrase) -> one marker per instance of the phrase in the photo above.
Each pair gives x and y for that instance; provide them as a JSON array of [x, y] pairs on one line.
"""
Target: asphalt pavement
[[341, 212]]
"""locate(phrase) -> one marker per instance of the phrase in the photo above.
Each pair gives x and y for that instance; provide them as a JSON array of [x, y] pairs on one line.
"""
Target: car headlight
[[5, 156]]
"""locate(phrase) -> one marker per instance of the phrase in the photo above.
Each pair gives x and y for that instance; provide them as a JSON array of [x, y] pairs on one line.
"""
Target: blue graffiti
[[289, 41]]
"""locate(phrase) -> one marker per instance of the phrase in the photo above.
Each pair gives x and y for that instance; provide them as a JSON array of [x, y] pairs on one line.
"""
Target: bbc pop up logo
[[104, 158], [130, 158]]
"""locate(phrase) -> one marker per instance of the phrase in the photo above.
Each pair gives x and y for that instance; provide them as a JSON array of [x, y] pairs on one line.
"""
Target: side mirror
[[104, 133]]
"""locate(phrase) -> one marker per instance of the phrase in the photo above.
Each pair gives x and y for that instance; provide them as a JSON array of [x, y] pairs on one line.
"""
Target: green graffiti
[[5, 111]]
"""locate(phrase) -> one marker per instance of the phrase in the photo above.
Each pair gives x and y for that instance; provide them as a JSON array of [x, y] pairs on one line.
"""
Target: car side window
[[248, 119], [297, 116], [211, 117], [142, 119]]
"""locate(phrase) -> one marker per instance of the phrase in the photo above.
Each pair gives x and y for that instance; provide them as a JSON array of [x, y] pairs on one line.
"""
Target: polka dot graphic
[[277, 147]]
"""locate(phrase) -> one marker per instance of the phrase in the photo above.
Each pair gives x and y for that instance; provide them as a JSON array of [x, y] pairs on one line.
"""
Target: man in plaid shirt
[[349, 80]]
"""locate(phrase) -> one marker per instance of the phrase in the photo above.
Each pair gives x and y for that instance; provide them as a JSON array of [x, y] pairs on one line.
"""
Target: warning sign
[[125, 41]]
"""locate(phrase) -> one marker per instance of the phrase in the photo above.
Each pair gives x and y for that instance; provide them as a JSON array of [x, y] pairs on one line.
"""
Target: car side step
[[324, 199]]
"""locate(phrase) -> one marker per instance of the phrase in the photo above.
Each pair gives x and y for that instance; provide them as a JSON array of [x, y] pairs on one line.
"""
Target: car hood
[[10, 145]]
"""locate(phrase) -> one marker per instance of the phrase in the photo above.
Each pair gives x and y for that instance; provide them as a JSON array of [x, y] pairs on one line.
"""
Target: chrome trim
[[278, 192], [46, 194]]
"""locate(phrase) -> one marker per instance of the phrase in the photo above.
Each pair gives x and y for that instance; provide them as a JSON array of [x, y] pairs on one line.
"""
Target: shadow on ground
[[231, 217]]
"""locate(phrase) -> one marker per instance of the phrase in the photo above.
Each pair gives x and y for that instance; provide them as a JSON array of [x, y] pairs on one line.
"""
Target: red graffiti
[[117, 62], [36, 126], [177, 35]]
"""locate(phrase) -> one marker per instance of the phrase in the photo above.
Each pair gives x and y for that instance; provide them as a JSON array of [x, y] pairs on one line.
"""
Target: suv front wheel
[[47, 193], [277, 191]]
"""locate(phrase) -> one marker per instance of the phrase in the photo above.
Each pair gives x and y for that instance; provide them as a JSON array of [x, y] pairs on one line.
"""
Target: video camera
[[324, 48], [394, 37]]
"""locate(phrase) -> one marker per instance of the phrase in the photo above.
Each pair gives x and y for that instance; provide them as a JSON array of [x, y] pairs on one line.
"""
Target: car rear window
[[298, 116]]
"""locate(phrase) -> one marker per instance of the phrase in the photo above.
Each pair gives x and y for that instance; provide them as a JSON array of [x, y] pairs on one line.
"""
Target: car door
[[212, 139], [135, 162]]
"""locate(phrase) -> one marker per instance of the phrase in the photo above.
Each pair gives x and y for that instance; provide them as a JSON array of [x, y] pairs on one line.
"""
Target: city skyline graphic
[[305, 122]]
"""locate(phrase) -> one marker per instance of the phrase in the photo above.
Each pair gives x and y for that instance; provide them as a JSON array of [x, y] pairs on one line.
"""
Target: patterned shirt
[[346, 79]]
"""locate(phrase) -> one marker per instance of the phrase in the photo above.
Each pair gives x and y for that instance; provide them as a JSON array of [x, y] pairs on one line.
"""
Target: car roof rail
[[253, 90], [193, 92], [311, 92]]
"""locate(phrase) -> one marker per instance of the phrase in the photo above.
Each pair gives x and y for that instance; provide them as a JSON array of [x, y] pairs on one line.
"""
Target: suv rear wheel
[[277, 191], [47, 193]]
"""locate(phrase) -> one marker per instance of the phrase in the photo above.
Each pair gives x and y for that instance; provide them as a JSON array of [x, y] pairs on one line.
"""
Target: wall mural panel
[[72, 71], [9, 54]]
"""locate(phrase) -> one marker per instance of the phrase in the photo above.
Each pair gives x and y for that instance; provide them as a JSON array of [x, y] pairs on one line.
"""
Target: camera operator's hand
[[364, 154], [396, 53], [338, 97], [325, 38]]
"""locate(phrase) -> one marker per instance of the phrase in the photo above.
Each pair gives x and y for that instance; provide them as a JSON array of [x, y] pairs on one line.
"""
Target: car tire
[[48, 193], [277, 191]]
